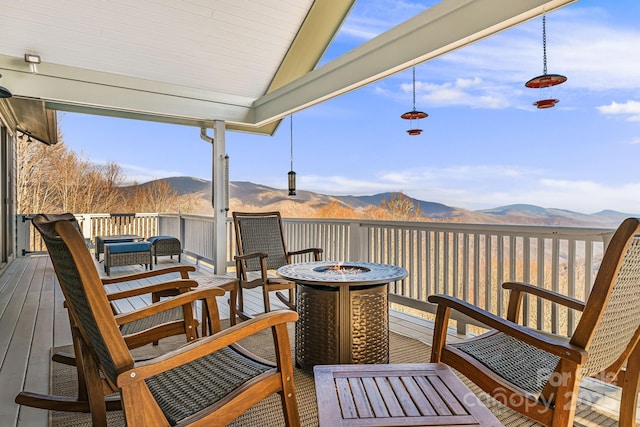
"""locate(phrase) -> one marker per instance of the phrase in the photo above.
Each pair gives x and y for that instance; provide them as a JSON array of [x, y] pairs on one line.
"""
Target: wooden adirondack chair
[[538, 375], [177, 321], [223, 378], [261, 248]]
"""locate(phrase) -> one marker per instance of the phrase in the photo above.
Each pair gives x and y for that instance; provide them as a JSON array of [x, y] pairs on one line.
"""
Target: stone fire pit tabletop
[[342, 272]]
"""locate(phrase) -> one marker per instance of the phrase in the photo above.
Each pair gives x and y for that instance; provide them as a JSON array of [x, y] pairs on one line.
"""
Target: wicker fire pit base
[[344, 312], [334, 331]]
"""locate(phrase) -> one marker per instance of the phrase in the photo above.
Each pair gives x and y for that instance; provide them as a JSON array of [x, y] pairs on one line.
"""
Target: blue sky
[[484, 144]]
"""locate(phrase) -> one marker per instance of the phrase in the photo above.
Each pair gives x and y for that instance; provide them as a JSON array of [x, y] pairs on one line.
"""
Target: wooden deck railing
[[469, 261]]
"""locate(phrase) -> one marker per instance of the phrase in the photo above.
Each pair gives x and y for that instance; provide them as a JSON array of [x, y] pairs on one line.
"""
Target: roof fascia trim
[[432, 33]]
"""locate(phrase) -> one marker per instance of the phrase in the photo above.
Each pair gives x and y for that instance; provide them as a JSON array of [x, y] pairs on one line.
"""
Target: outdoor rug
[[269, 412]]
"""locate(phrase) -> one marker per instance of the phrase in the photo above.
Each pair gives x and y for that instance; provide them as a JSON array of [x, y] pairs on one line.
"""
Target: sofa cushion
[[128, 247]]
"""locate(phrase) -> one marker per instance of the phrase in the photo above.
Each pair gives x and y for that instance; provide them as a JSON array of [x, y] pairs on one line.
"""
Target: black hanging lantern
[[291, 176], [414, 114], [545, 80], [292, 182]]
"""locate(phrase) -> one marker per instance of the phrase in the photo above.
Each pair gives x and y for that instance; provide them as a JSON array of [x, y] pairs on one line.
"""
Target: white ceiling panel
[[247, 62], [221, 45]]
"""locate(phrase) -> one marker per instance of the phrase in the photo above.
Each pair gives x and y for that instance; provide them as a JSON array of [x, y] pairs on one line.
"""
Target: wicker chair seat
[[173, 315], [521, 364], [190, 388]]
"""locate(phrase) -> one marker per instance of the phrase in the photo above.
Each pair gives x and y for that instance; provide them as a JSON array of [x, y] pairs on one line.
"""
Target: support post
[[218, 197]]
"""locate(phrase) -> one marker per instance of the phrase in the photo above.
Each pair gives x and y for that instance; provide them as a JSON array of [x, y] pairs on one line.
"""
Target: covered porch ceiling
[[192, 62]]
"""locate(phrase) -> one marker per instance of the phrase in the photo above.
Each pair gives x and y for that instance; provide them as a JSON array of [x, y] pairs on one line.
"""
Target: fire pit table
[[343, 309]]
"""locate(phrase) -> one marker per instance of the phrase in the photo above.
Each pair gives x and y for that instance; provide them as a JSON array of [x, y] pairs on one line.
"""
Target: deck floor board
[[19, 329]]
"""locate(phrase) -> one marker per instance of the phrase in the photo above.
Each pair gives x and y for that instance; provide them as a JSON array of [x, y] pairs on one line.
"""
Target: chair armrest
[[168, 304], [518, 289], [559, 348], [276, 320], [182, 269], [249, 256], [180, 285], [546, 294], [242, 274], [315, 251]]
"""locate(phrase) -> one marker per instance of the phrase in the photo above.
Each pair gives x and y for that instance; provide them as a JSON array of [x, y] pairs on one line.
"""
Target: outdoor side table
[[229, 284], [424, 394]]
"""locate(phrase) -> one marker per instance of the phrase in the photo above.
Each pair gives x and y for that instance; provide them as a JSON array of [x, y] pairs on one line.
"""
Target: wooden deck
[[33, 320]]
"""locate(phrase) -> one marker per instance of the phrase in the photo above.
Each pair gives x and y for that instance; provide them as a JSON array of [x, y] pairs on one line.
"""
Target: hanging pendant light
[[545, 80], [291, 176], [414, 114]]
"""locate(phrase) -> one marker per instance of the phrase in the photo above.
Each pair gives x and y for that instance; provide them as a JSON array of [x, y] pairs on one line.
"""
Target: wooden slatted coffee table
[[426, 394]]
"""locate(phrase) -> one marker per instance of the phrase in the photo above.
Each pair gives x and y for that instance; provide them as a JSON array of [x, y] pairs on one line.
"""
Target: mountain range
[[248, 196]]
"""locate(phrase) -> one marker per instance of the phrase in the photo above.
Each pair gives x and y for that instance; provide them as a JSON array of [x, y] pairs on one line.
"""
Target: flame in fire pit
[[341, 269]]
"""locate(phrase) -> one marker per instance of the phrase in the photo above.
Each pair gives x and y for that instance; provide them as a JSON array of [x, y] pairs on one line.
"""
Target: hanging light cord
[[414, 88], [291, 138], [544, 44]]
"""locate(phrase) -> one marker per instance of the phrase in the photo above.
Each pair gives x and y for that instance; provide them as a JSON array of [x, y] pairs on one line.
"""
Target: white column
[[218, 187]]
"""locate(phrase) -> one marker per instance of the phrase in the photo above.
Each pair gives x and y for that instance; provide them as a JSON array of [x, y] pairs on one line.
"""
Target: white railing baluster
[[526, 277], [555, 284], [466, 272], [469, 261], [540, 280], [500, 273]]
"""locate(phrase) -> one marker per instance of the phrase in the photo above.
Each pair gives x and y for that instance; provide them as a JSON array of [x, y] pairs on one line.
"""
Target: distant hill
[[181, 184], [428, 208], [531, 214], [247, 196]]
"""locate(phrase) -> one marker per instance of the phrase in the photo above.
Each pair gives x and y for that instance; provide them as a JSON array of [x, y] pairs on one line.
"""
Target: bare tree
[[54, 179], [335, 209], [156, 196], [401, 208], [34, 192]]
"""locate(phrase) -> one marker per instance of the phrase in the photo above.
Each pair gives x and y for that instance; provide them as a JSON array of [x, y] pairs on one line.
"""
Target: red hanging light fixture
[[414, 114], [545, 80]]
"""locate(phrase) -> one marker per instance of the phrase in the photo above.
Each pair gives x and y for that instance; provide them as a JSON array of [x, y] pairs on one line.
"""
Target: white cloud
[[629, 108], [341, 185], [372, 18], [472, 92], [596, 53], [363, 29], [591, 196], [473, 187], [593, 52]]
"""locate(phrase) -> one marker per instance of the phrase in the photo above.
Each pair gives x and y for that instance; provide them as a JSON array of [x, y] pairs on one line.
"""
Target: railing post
[[22, 235], [183, 233], [461, 327], [357, 247], [86, 227], [219, 188]]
